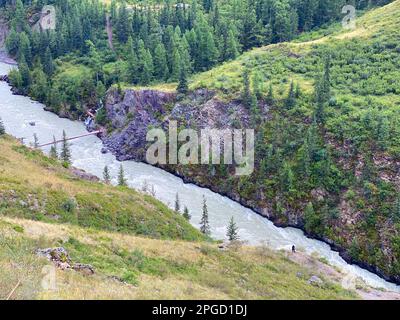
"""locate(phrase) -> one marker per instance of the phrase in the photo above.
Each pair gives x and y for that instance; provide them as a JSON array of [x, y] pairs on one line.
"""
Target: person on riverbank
[[293, 249]]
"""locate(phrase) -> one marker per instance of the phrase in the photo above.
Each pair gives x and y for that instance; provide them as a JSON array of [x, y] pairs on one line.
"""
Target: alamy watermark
[[349, 21], [207, 146], [49, 280], [47, 20]]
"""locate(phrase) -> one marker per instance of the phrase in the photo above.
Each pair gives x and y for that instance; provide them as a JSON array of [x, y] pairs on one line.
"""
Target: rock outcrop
[[136, 111], [60, 257]]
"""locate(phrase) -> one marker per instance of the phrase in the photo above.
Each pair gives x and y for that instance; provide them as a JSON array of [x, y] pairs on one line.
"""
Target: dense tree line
[[159, 43]]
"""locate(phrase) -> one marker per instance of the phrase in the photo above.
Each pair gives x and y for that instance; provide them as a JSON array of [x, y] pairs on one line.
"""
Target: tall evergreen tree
[[204, 223], [246, 94], [19, 17], [39, 88], [291, 98], [2, 128], [121, 177], [35, 141], [177, 204], [323, 92], [12, 42], [24, 48], [53, 149], [146, 66], [106, 175], [232, 231], [270, 95], [123, 27], [48, 64], [65, 154], [160, 62], [186, 213], [183, 86], [25, 75], [231, 46]]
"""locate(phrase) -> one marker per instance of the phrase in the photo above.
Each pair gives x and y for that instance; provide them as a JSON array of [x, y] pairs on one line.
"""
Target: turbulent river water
[[18, 111]]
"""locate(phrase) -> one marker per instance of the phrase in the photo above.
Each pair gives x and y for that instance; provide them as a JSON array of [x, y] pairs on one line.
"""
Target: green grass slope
[[138, 247], [36, 187], [131, 267]]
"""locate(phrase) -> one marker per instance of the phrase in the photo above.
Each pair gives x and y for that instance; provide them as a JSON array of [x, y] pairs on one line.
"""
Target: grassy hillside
[[129, 267], [134, 242], [36, 187]]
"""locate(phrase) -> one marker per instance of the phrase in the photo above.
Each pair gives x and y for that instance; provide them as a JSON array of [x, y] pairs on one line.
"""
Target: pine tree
[[39, 88], [131, 72], [232, 231], [291, 99], [204, 223], [207, 54], [175, 64], [270, 95], [231, 46], [94, 58], [121, 177], [246, 95], [323, 92], [12, 42], [298, 91], [53, 149], [123, 28], [183, 86], [311, 219], [2, 128], [65, 154], [24, 49], [48, 64], [146, 66], [286, 178], [257, 85], [106, 175], [35, 141], [160, 62], [382, 133], [186, 213], [255, 110], [26, 79], [19, 20], [177, 204]]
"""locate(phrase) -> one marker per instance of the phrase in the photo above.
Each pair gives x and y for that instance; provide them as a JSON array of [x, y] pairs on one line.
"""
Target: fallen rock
[[86, 269], [59, 255], [315, 281], [81, 174]]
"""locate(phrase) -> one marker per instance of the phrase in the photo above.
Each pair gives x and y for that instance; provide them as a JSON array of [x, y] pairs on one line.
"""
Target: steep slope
[[36, 187], [98, 226], [129, 267], [336, 178]]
